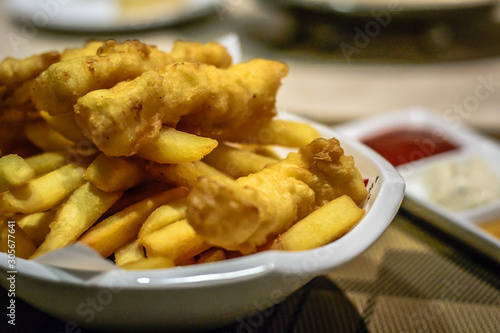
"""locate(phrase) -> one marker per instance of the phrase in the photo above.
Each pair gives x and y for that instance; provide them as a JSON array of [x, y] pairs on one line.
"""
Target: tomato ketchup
[[403, 145]]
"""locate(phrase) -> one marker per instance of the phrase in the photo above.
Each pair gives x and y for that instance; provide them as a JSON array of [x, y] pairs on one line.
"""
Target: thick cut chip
[[75, 216], [149, 263], [201, 99], [65, 124], [14, 240], [183, 174], [43, 193], [112, 233], [277, 132], [36, 225], [14, 171], [164, 215], [47, 161], [213, 254], [172, 146], [322, 226], [177, 241], [45, 137], [131, 251], [236, 162], [112, 174]]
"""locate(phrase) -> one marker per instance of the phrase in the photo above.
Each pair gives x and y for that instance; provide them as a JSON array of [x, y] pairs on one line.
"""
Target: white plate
[[471, 146], [208, 295], [108, 15]]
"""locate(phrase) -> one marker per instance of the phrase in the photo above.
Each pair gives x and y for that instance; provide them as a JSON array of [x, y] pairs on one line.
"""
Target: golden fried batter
[[210, 53], [204, 98], [89, 49], [14, 72], [243, 214], [58, 88]]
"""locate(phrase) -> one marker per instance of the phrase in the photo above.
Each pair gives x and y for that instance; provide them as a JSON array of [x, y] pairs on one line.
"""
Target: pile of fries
[[61, 185]]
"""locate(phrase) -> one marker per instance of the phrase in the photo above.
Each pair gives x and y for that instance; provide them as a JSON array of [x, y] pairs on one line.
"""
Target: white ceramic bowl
[[208, 295]]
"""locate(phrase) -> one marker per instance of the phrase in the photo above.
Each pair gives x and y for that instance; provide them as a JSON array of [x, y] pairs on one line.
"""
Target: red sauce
[[404, 145]]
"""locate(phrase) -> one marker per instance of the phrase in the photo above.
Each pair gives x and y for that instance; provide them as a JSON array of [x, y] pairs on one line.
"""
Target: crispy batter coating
[[14, 72], [16, 76], [203, 98], [210, 53], [243, 214], [90, 48], [58, 88]]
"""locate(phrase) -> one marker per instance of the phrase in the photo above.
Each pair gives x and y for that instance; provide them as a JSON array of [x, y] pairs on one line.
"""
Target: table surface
[[414, 278]]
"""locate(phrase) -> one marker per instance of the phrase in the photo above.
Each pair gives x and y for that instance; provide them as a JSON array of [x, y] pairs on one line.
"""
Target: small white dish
[[457, 212], [207, 295]]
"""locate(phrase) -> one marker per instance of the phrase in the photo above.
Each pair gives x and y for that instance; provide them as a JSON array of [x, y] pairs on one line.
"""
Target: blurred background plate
[[108, 15], [359, 6]]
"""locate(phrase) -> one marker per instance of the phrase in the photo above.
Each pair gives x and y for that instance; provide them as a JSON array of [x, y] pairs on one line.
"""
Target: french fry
[[36, 225], [291, 133], [75, 216], [43, 193], [173, 146], [136, 194], [110, 234], [164, 215], [236, 162], [131, 251], [278, 132], [183, 174], [264, 150], [15, 240], [213, 254], [111, 174], [45, 137], [65, 124], [47, 161], [149, 263], [14, 172], [177, 241], [322, 226]]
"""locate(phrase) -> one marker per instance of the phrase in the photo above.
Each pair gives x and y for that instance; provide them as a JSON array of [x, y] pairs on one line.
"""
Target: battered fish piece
[[210, 53], [58, 88], [16, 76], [14, 72], [243, 214], [90, 48], [122, 119]]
